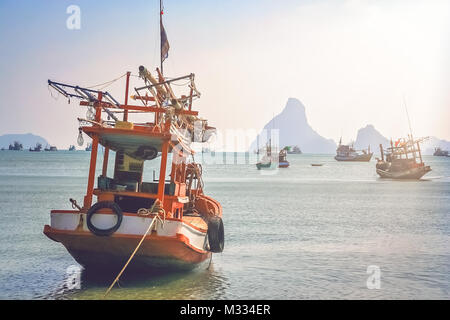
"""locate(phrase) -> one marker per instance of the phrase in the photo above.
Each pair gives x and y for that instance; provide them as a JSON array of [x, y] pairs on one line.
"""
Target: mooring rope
[[156, 217]]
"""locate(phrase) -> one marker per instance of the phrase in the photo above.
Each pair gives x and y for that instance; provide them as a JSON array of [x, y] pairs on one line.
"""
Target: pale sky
[[350, 62]]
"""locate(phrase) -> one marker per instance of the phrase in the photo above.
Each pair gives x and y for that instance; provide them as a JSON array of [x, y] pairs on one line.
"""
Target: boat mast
[[411, 136], [407, 115], [160, 33]]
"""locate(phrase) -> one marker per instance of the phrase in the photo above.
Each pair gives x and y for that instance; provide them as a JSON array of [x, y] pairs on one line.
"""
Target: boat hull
[[111, 253], [413, 173], [176, 245], [358, 158], [261, 165], [283, 164]]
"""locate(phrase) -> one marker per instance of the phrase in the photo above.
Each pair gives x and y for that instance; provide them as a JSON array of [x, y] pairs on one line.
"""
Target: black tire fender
[[216, 235], [102, 205]]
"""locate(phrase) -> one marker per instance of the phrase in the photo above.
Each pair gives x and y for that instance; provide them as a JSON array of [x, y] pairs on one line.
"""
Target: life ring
[[103, 205], [216, 235]]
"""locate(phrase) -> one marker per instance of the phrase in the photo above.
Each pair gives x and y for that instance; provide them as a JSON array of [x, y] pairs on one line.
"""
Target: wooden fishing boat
[[170, 222], [294, 150], [268, 160], [16, 146], [438, 152], [282, 161], [402, 160], [37, 148], [348, 153], [51, 148]]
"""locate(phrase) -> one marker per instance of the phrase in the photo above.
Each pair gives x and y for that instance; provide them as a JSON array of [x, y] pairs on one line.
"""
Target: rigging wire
[[51, 94], [108, 83]]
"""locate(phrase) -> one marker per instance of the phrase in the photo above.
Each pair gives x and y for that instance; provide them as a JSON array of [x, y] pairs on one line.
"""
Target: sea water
[[332, 232]]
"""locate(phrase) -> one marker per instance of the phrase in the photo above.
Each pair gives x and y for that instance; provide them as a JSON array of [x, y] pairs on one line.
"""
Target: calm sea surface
[[302, 233]]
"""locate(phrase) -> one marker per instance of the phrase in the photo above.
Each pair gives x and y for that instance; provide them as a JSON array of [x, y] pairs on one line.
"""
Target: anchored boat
[[402, 160], [440, 153], [189, 225], [271, 159], [37, 148], [294, 150], [169, 222], [348, 153], [51, 148], [282, 161]]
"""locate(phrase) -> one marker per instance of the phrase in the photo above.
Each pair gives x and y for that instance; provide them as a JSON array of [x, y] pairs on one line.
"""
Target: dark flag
[[164, 44]]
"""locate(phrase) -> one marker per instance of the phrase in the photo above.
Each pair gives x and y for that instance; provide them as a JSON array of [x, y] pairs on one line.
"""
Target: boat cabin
[[172, 129]]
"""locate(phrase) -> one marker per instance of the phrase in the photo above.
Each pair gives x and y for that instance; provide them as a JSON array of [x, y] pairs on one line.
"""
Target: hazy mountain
[[295, 130], [27, 140], [369, 136]]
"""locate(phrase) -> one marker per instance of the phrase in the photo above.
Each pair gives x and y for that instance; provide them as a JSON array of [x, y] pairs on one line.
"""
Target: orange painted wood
[[90, 186]]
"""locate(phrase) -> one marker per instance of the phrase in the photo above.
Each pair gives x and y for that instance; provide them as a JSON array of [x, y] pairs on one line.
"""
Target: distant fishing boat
[[294, 150], [282, 161], [270, 158], [403, 160], [316, 164], [266, 160], [51, 148], [16, 146], [72, 148], [89, 147], [440, 153], [157, 224], [37, 148], [348, 153]]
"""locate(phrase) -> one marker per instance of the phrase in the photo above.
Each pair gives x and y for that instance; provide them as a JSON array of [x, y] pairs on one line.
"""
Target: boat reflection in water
[[202, 283]]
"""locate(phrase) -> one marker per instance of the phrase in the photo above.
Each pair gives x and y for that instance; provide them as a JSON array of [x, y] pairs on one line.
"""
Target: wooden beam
[[105, 162], [162, 172], [90, 187], [125, 114], [144, 109]]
